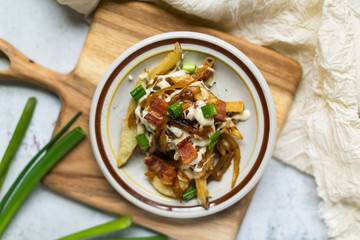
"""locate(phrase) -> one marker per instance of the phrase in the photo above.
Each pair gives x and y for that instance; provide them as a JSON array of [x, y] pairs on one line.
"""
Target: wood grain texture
[[116, 27]]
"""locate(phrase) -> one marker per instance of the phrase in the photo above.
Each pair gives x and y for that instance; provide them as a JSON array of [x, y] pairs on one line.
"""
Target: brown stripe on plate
[[111, 79]]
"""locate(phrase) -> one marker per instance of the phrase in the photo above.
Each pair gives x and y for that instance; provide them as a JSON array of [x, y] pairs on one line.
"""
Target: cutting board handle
[[24, 69]]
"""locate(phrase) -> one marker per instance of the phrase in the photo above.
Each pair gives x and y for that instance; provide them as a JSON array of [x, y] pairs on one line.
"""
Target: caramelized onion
[[158, 93], [187, 94], [235, 148], [203, 72], [187, 126], [132, 119]]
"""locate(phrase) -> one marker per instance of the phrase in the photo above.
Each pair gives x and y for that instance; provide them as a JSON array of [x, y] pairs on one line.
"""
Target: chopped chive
[[209, 110], [142, 140], [138, 92], [115, 225], [215, 135], [175, 110], [214, 138], [16, 138], [212, 144], [33, 160], [189, 194], [189, 67], [58, 151]]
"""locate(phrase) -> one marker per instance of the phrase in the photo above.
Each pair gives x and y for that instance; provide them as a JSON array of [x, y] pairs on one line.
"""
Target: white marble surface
[[284, 205]]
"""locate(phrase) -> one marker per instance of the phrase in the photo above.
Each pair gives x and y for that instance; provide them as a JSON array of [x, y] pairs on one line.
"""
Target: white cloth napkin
[[322, 133]]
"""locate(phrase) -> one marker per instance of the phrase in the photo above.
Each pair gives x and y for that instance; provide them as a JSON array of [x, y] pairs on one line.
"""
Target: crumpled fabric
[[321, 135], [82, 6]]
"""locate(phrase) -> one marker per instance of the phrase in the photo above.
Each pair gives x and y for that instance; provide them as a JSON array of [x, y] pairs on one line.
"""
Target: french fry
[[205, 95], [202, 192], [169, 61], [234, 132], [162, 188], [128, 142], [236, 107], [177, 79], [231, 129]]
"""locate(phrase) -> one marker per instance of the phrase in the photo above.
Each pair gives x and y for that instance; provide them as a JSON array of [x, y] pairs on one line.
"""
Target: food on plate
[[186, 132]]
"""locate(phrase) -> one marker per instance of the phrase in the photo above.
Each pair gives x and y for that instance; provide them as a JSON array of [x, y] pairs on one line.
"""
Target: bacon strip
[[187, 153], [153, 119], [182, 143], [164, 171], [159, 105], [221, 111]]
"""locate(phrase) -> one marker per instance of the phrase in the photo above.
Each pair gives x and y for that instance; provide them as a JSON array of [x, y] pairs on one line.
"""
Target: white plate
[[237, 78]]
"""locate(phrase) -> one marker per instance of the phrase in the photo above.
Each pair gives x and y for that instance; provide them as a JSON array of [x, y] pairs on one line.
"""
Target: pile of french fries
[[217, 160]]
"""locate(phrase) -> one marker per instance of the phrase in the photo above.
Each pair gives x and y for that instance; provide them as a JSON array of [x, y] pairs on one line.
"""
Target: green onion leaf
[[215, 135], [212, 144], [58, 151], [209, 110], [142, 140], [189, 194], [175, 110], [214, 138], [189, 67], [17, 138], [115, 225], [33, 160], [138, 92]]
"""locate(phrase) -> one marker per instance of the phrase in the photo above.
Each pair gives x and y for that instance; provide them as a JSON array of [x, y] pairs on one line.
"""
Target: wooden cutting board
[[116, 27]]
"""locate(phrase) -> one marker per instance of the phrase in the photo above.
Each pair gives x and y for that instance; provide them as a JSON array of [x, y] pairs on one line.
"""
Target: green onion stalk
[[115, 225], [213, 139], [189, 67], [138, 92], [175, 110], [209, 110], [33, 160], [190, 194], [57, 152], [142, 140], [16, 138]]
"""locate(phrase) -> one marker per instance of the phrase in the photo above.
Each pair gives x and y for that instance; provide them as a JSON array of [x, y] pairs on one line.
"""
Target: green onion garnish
[[214, 138], [17, 138], [142, 140], [33, 160], [115, 225], [212, 144], [215, 135], [189, 194], [58, 151], [189, 67], [175, 110], [138, 92], [209, 110]]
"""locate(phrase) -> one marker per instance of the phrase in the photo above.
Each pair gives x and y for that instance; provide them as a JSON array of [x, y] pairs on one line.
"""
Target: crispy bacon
[[221, 111], [187, 153], [182, 143], [164, 171], [159, 105], [153, 119]]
